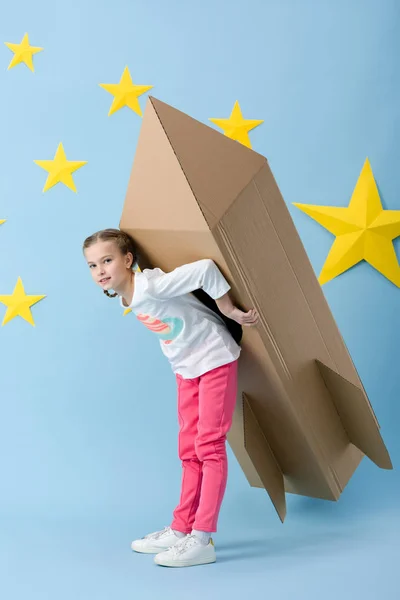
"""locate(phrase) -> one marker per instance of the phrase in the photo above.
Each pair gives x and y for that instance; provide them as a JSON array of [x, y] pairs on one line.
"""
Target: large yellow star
[[363, 230], [60, 169], [18, 304], [23, 52], [236, 127], [125, 93]]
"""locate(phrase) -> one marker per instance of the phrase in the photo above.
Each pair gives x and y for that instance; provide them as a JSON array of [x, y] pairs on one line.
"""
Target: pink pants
[[205, 410]]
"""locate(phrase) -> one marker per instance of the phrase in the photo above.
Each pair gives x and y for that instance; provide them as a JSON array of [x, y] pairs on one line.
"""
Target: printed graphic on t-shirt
[[167, 330]]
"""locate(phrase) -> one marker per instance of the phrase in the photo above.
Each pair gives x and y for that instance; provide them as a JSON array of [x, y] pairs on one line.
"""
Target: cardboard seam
[[180, 165], [341, 422], [243, 188], [247, 287], [194, 195], [295, 276], [334, 404]]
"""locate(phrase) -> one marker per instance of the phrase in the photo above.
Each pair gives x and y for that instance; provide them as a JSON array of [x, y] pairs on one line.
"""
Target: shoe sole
[[185, 563], [149, 550]]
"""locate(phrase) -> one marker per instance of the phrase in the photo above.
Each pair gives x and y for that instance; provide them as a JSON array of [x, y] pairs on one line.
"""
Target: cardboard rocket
[[303, 421]]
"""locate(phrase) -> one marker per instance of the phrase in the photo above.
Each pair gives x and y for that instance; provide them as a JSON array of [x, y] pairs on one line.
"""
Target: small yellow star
[[60, 169], [18, 304], [2, 221], [125, 93], [236, 127], [23, 52], [363, 230]]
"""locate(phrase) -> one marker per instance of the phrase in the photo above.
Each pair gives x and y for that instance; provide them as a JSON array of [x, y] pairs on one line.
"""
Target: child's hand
[[248, 319], [231, 311]]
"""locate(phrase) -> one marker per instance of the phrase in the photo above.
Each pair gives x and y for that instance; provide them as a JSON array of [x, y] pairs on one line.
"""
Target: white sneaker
[[188, 552], [156, 542]]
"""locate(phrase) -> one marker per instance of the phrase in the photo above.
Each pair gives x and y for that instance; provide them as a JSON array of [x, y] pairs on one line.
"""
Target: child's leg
[[217, 400], [188, 415]]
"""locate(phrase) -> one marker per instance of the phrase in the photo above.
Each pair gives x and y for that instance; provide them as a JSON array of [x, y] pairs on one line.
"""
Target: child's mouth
[[105, 279]]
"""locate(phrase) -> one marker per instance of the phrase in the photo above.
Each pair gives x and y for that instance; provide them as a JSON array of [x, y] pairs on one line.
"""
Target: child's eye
[[107, 259], [91, 266]]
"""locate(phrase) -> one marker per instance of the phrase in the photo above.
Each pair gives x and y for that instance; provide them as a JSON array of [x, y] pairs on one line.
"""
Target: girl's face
[[110, 268]]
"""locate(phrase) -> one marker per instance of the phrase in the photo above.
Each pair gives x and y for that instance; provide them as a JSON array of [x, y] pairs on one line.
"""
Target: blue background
[[88, 450]]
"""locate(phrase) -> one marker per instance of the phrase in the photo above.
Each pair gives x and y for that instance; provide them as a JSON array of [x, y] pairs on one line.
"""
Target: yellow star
[[2, 221], [23, 52], [363, 230], [125, 93], [60, 169], [236, 127], [18, 304]]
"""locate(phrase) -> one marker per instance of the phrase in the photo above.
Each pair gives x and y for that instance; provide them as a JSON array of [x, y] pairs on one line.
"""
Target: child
[[204, 357]]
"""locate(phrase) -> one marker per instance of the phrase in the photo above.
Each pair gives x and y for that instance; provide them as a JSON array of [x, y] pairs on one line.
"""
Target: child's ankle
[[178, 534], [203, 536]]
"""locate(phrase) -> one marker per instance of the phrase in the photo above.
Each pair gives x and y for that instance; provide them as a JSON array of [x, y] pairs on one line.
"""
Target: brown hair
[[123, 240]]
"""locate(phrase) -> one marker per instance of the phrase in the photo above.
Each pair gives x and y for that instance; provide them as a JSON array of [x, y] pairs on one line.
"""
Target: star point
[[363, 231], [126, 93], [18, 304], [60, 169], [23, 53], [236, 127]]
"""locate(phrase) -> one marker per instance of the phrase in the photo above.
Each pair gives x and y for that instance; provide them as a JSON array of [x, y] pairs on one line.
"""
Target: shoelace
[[157, 534], [184, 544]]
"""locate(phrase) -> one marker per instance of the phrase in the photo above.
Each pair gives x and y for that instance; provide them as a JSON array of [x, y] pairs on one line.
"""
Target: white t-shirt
[[193, 337]]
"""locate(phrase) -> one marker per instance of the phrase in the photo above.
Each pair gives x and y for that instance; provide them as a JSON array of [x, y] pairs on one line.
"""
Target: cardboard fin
[[356, 416], [263, 459]]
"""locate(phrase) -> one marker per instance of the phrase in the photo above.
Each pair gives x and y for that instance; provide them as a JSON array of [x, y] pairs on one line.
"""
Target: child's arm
[[231, 311], [201, 274]]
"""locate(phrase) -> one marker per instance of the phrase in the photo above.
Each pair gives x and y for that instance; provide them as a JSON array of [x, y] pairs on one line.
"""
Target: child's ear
[[129, 260]]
